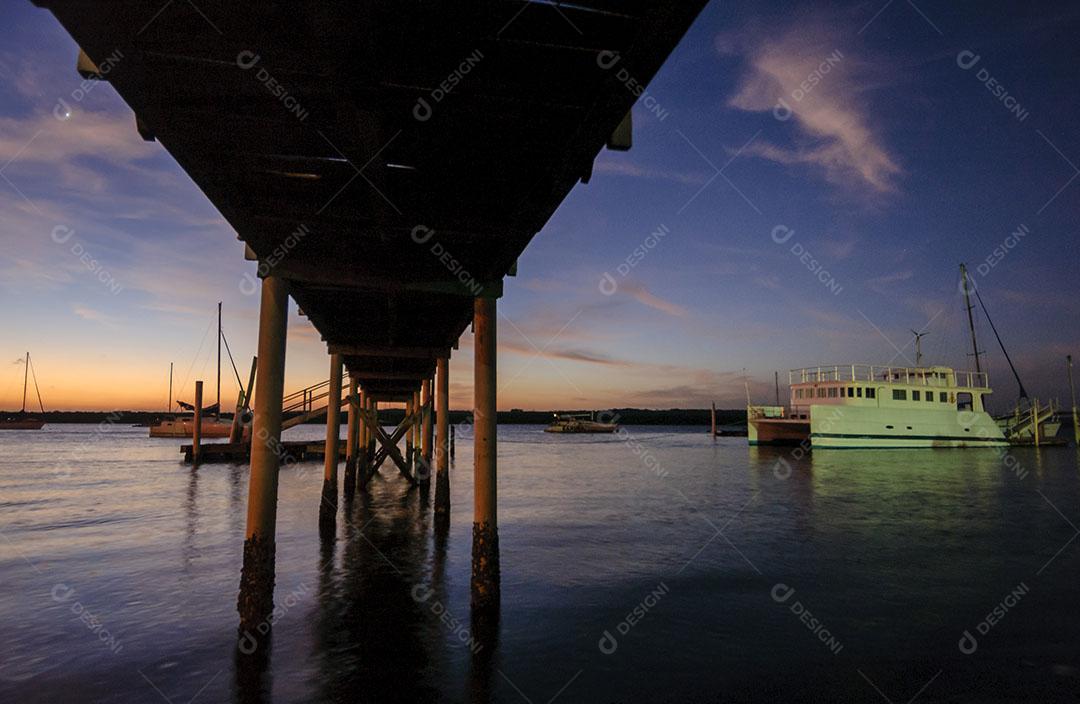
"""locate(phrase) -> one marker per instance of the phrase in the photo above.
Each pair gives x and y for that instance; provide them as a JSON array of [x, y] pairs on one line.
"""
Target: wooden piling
[[442, 438], [256, 600], [409, 436], [712, 419], [328, 502], [425, 431], [196, 432], [485, 548], [352, 436]]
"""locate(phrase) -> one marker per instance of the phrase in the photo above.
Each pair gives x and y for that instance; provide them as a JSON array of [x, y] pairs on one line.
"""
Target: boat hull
[[598, 428], [892, 428], [777, 431], [22, 424]]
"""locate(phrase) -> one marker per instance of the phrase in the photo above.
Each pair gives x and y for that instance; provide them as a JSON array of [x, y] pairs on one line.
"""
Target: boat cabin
[[886, 387]]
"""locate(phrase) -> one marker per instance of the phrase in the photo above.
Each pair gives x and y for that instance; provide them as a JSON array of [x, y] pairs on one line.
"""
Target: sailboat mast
[[217, 414], [26, 370], [971, 320], [169, 409]]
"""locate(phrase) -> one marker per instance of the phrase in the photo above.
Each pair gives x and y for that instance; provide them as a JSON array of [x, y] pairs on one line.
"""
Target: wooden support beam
[[485, 548], [375, 376], [442, 440], [391, 352], [389, 444]]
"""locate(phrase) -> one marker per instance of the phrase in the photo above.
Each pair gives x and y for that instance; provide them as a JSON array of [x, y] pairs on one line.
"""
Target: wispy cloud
[[804, 66], [88, 313], [622, 167], [645, 297]]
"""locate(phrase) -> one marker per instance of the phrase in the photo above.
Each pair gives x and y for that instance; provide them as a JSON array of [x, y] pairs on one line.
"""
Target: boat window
[[930, 396], [821, 392], [871, 392], [851, 392], [858, 391], [832, 392], [899, 394], [943, 397], [915, 395], [964, 401]]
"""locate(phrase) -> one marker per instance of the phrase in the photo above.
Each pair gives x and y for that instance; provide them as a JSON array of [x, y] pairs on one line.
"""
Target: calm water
[[650, 570]]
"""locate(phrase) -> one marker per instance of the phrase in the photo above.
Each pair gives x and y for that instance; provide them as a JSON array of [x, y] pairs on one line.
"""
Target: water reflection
[[372, 634]]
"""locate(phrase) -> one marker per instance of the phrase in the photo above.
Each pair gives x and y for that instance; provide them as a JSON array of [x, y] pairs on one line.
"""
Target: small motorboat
[[579, 423]]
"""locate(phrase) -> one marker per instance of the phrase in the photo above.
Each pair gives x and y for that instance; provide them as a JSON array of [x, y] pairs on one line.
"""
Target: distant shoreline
[[625, 416]]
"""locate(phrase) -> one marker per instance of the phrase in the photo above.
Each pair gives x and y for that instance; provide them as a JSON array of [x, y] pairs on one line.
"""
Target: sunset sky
[[868, 139]]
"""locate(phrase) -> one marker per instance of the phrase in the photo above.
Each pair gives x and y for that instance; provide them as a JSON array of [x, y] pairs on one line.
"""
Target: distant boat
[[23, 420], [184, 427], [579, 423]]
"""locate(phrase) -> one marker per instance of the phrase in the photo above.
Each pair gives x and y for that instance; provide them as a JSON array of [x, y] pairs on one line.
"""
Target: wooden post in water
[[453, 432], [425, 432], [416, 428], [442, 438], [328, 503], [196, 432], [256, 600], [1035, 420], [712, 419], [485, 547], [352, 436], [409, 436]]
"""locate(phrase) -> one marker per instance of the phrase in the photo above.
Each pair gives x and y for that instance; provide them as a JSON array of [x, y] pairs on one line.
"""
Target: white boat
[[866, 406], [579, 423], [184, 427]]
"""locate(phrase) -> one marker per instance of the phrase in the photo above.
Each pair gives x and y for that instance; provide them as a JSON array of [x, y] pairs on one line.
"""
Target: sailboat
[[183, 426], [22, 420]]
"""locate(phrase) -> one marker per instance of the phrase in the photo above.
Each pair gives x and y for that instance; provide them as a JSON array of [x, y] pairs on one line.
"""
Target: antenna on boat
[[776, 383], [918, 346], [971, 320]]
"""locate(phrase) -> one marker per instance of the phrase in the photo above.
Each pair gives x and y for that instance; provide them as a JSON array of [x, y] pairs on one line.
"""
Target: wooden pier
[[386, 206], [291, 451]]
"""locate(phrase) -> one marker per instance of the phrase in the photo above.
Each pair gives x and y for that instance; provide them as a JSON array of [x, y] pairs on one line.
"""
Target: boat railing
[[919, 376]]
